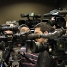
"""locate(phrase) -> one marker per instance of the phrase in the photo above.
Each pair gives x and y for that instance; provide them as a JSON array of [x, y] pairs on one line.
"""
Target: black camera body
[[32, 19]]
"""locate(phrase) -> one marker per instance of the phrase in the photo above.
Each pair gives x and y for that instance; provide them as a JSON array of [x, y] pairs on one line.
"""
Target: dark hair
[[23, 25], [44, 26]]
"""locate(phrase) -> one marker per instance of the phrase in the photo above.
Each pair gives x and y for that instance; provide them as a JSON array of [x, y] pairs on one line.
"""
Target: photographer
[[28, 59], [44, 59], [8, 48]]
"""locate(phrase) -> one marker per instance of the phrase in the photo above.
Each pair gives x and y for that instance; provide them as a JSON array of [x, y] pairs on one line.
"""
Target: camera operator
[[9, 43], [28, 59], [44, 59], [7, 49]]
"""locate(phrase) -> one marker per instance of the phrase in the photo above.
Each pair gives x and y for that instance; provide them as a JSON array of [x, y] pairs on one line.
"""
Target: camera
[[58, 18], [32, 19]]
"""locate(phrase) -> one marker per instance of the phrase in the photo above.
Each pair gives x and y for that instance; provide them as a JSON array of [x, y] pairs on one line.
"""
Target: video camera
[[58, 18], [32, 19]]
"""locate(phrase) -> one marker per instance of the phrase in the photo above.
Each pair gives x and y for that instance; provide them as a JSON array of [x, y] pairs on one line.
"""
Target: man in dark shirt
[[44, 59]]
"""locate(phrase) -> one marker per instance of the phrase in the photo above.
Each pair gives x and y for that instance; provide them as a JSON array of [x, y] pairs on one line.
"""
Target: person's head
[[23, 28], [43, 28]]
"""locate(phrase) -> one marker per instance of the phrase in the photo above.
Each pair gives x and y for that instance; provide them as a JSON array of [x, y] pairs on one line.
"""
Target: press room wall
[[11, 10]]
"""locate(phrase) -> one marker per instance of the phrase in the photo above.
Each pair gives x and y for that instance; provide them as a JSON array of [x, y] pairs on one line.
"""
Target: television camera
[[32, 19], [58, 18]]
